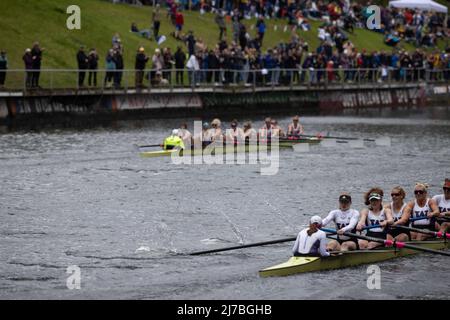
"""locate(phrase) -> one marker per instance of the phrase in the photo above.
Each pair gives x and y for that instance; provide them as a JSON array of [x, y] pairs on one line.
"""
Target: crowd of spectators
[[243, 61]]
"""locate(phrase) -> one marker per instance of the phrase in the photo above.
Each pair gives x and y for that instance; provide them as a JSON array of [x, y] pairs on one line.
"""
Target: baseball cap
[[345, 197], [315, 219], [175, 132]]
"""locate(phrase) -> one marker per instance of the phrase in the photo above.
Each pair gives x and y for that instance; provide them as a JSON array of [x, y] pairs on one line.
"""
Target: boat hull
[[207, 151], [282, 143], [346, 259]]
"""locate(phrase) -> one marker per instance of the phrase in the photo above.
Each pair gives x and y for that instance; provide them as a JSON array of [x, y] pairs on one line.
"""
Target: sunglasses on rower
[[446, 189], [395, 194], [419, 192]]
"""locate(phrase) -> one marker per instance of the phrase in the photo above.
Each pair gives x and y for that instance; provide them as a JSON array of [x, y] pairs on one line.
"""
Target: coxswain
[[374, 215], [311, 241], [423, 207], [400, 215], [295, 129], [173, 141], [443, 203], [345, 220]]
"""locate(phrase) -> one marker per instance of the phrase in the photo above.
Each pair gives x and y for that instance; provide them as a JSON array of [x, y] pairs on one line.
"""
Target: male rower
[[311, 241], [173, 141], [443, 203], [345, 220], [295, 129]]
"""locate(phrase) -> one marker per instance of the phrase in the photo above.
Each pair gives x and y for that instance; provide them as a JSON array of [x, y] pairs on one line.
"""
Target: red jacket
[[179, 19]]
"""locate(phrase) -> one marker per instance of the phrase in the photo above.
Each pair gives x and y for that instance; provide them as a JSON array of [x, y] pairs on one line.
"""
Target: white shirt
[[444, 205], [192, 63], [311, 244], [345, 220]]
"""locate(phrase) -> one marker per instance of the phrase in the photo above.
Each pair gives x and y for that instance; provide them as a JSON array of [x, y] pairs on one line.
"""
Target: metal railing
[[102, 79]]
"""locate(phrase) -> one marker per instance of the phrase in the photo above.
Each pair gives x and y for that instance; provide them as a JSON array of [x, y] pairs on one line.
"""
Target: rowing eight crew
[[380, 220], [214, 133]]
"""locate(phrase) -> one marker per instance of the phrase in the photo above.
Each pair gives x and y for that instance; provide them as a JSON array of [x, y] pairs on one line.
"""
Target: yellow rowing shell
[[282, 143], [346, 259]]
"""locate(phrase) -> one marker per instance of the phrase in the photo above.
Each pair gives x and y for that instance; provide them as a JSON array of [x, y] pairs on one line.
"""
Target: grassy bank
[[22, 22]]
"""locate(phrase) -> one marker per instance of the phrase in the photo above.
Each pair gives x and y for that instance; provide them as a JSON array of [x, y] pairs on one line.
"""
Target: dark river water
[[84, 197]]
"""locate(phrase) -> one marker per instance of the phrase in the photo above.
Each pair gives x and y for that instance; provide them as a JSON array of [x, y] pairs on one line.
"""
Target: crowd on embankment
[[243, 61]]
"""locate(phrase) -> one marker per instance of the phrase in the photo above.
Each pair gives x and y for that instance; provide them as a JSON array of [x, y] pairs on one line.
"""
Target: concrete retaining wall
[[169, 102]]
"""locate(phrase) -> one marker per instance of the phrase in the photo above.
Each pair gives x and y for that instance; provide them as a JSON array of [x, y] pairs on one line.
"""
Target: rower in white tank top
[[443, 204], [425, 208], [397, 215], [375, 219], [419, 212]]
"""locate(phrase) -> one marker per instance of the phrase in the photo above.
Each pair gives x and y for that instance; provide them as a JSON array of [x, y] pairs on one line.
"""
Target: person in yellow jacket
[[174, 141]]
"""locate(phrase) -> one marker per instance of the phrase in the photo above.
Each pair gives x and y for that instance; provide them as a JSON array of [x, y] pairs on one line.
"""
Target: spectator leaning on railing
[[3, 67]]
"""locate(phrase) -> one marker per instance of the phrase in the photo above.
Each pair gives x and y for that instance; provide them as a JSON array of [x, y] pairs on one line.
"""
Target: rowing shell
[[218, 150], [345, 259], [282, 143]]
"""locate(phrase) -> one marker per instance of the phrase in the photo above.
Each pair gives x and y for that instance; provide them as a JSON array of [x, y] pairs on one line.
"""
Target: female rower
[[265, 133], [276, 129], [234, 134], [215, 133], [443, 203], [423, 207], [185, 135], [249, 132], [345, 220], [374, 215], [295, 129], [399, 214]]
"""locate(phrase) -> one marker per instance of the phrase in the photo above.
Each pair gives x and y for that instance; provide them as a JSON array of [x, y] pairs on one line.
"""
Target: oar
[[433, 233], [389, 243], [386, 141], [243, 246], [332, 137]]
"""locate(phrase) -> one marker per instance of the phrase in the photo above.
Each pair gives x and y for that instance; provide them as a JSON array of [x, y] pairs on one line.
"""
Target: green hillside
[[22, 22]]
